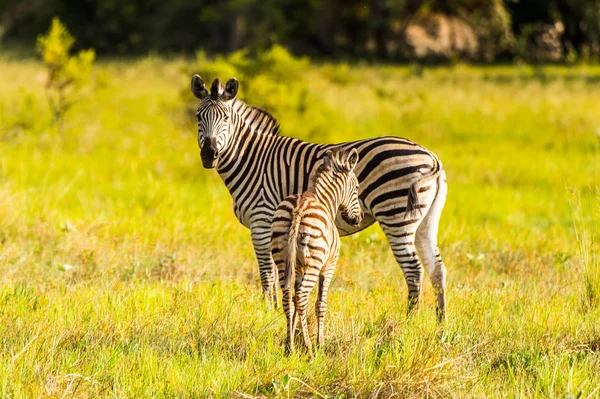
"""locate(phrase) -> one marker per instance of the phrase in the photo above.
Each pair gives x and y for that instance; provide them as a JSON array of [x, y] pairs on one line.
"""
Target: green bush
[[274, 80], [15, 115], [68, 75]]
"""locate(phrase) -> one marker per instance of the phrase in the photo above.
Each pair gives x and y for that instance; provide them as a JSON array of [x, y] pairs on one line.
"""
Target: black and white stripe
[[402, 184], [305, 242]]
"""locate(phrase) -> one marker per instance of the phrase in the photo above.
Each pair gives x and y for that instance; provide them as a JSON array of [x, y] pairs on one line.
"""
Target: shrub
[[274, 80], [68, 75], [15, 115]]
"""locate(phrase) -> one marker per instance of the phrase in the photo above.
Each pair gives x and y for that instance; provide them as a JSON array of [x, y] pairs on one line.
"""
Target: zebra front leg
[[275, 290], [261, 239]]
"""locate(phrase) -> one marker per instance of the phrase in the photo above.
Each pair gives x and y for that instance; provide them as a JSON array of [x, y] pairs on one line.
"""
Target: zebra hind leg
[[403, 248], [413, 274], [321, 306], [426, 243], [432, 260], [303, 289], [278, 255], [301, 305], [290, 314]]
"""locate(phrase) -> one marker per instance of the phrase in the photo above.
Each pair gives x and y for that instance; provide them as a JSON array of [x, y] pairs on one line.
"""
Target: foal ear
[[231, 89], [352, 159], [198, 88]]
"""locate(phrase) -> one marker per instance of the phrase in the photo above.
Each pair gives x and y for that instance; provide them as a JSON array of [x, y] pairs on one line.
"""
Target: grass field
[[124, 273]]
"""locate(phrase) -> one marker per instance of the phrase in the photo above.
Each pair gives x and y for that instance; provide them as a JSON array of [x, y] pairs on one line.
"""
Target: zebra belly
[[249, 213]]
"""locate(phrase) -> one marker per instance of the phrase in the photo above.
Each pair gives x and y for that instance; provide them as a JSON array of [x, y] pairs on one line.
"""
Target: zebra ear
[[231, 89], [352, 159], [327, 159], [198, 88]]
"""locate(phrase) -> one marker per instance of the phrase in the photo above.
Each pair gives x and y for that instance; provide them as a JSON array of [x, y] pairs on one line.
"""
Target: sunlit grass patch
[[124, 272], [586, 224]]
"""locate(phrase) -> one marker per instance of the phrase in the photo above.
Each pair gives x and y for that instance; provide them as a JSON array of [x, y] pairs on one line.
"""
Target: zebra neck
[[253, 129], [245, 145], [256, 119]]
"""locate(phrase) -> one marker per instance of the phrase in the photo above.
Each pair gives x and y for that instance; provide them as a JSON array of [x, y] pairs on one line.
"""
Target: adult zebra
[[402, 185]]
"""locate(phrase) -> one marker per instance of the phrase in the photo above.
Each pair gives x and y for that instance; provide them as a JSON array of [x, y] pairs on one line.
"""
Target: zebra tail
[[412, 198], [290, 262]]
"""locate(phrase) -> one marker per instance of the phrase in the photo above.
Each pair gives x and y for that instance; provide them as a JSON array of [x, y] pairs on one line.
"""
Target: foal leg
[[291, 317], [278, 244], [321, 306], [303, 290]]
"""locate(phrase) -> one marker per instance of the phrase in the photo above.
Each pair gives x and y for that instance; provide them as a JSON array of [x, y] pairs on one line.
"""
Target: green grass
[[124, 273]]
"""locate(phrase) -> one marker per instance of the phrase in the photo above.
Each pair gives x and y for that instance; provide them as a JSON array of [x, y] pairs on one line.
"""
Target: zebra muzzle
[[355, 219], [209, 154]]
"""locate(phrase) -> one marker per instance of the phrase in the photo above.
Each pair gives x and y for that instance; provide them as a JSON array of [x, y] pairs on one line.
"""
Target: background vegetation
[[124, 273], [393, 30]]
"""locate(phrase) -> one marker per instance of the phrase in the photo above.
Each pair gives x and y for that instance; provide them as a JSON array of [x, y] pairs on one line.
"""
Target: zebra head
[[214, 115], [342, 163]]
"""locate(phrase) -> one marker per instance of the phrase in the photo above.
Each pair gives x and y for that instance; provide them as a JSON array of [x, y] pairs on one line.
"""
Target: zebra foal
[[305, 242]]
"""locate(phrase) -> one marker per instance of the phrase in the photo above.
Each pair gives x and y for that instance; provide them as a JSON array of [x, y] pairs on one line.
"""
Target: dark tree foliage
[[578, 21], [347, 29]]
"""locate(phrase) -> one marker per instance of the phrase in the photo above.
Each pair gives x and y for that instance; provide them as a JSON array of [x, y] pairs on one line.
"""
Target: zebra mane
[[268, 123]]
